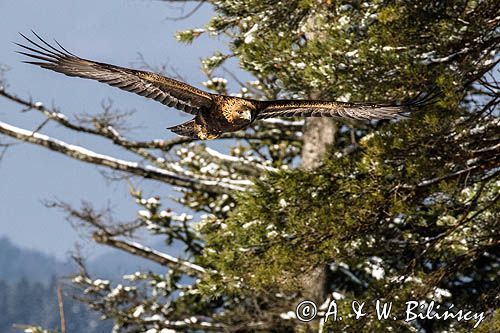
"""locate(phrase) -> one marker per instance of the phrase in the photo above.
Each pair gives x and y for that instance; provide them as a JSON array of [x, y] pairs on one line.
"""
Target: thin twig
[[191, 12]]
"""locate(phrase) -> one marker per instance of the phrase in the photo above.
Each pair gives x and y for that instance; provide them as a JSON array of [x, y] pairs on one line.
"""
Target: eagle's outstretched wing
[[361, 111], [151, 85]]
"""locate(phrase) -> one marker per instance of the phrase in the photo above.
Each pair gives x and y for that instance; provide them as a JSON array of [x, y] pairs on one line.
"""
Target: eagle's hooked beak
[[247, 115]]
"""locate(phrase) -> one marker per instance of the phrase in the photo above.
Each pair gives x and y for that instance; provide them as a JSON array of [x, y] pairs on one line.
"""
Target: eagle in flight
[[214, 114]]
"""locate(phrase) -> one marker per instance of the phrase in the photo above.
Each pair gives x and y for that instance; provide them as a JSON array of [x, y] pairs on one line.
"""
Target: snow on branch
[[188, 324], [237, 162], [148, 253], [107, 131], [146, 171], [429, 57]]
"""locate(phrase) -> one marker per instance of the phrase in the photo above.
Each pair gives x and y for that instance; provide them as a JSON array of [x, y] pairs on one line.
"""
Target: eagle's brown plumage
[[214, 113]]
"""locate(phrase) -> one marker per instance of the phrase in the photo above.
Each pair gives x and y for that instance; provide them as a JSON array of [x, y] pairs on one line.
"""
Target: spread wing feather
[[361, 111], [165, 90]]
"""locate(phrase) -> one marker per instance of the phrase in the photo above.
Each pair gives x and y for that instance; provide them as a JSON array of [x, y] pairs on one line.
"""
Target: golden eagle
[[215, 114]]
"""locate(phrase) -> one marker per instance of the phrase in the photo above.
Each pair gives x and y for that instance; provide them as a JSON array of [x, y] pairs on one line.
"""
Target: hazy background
[[112, 31]]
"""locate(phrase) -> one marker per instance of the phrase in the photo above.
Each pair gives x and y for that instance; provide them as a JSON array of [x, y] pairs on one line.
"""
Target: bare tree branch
[[3, 149], [108, 233], [146, 171], [148, 253], [191, 12]]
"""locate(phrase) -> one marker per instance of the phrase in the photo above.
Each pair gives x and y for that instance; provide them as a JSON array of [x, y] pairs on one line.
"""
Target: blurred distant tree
[[396, 211], [33, 302]]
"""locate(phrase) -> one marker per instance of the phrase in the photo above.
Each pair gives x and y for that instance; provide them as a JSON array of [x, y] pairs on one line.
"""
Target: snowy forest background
[[290, 209], [28, 289], [29, 281]]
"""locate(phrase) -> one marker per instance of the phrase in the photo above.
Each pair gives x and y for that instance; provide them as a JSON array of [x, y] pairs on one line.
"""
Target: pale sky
[[112, 31]]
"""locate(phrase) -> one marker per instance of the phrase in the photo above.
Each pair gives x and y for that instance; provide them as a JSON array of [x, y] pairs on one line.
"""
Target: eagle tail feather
[[185, 129]]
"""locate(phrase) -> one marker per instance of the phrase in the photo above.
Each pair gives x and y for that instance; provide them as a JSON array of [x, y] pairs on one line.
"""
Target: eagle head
[[244, 112]]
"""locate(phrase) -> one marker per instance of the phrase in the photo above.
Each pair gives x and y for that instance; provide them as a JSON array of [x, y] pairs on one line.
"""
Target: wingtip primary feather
[[36, 56], [37, 63], [428, 98], [52, 52], [63, 48], [47, 44]]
